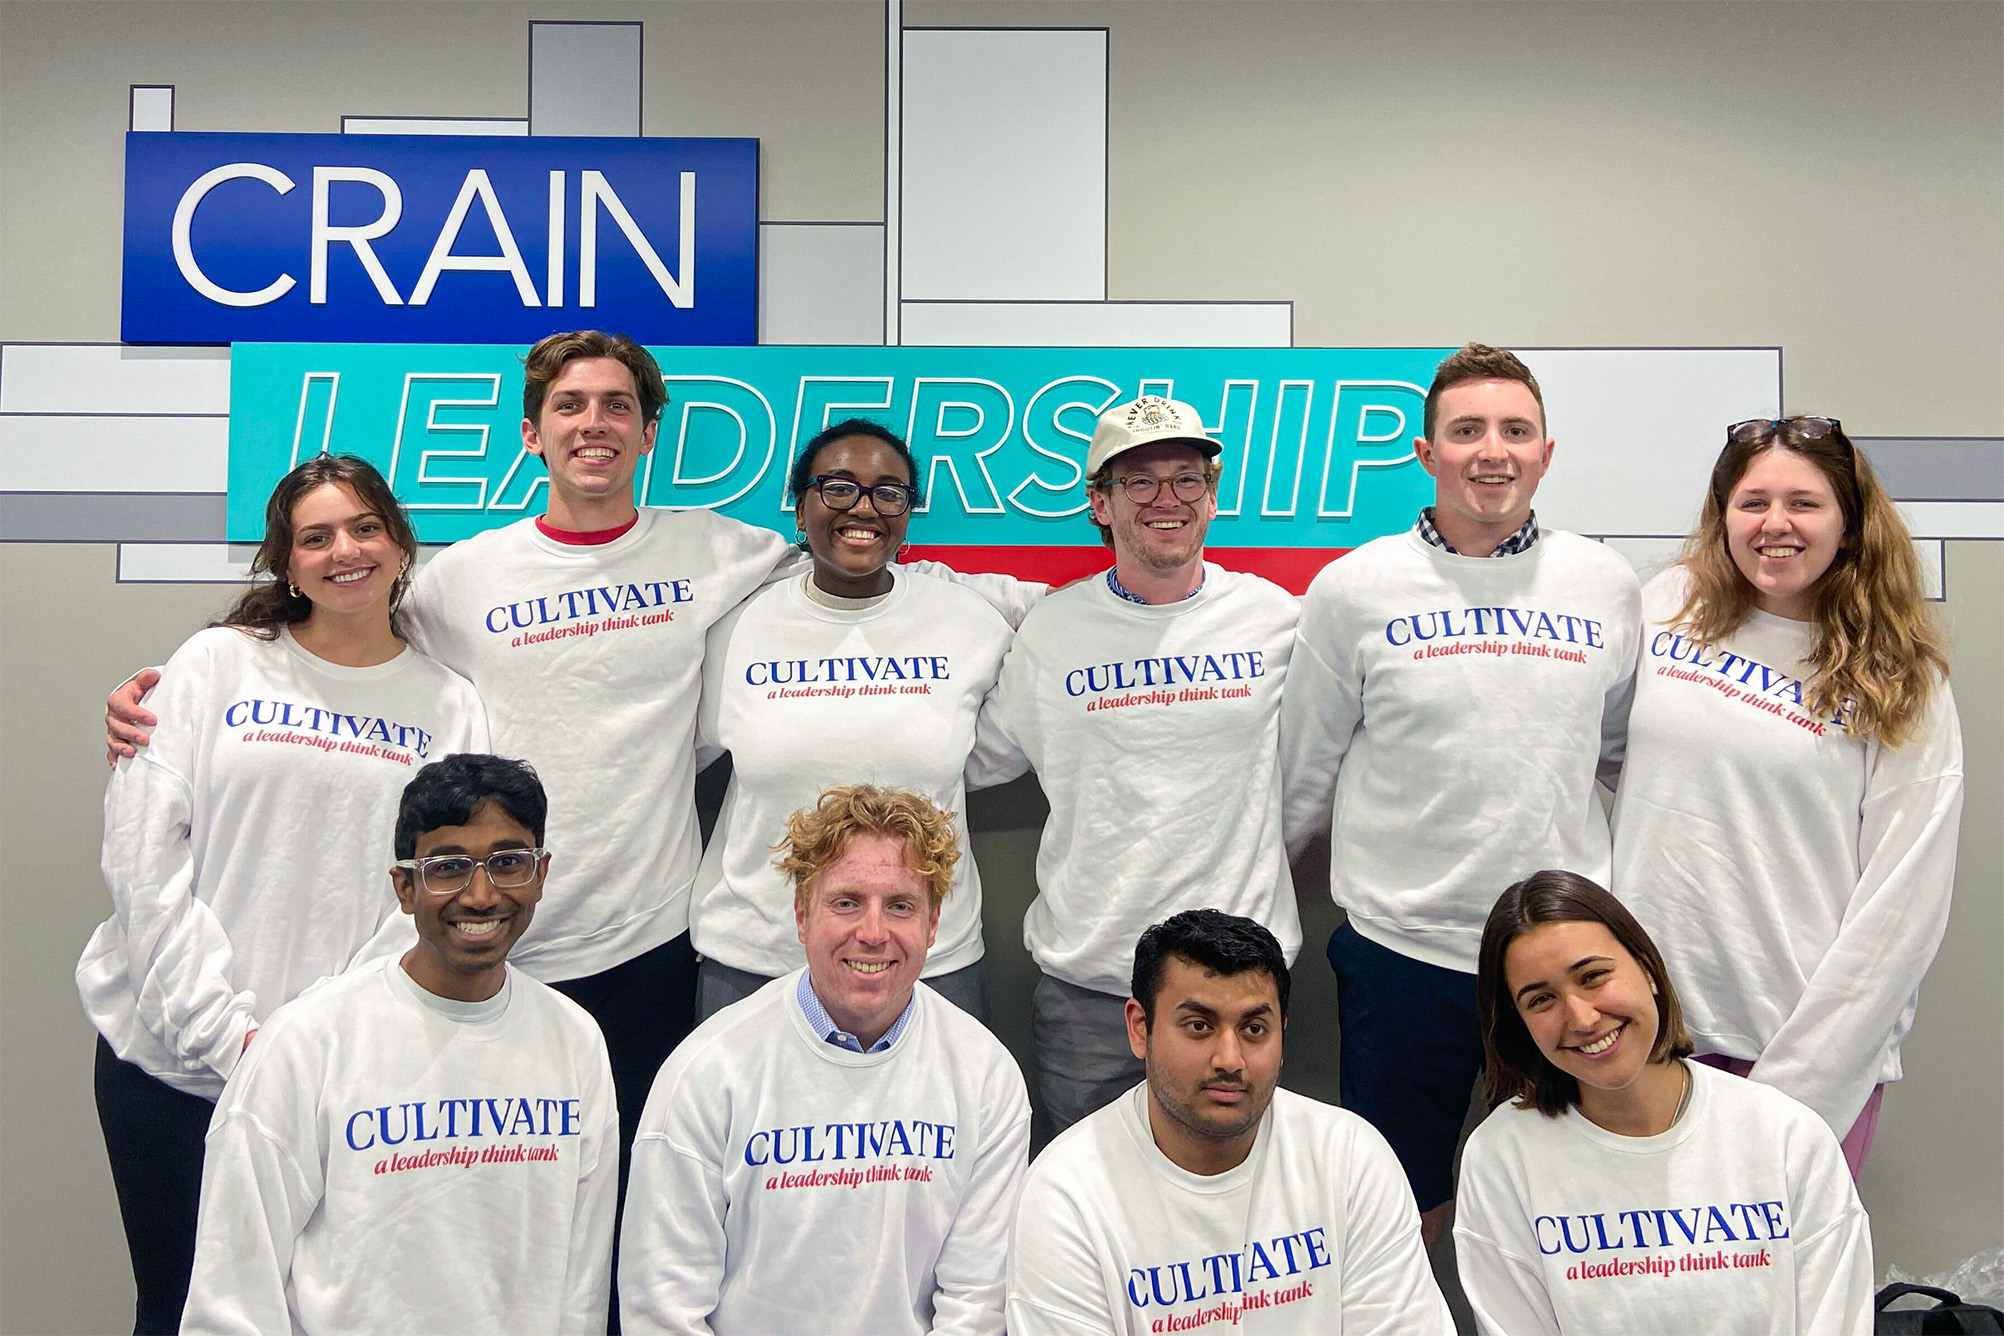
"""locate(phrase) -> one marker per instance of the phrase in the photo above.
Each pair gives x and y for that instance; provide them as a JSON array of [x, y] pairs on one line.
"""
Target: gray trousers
[[1083, 1061], [718, 985]]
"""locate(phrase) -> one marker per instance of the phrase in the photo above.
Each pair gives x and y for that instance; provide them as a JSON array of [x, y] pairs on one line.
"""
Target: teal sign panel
[[1317, 441]]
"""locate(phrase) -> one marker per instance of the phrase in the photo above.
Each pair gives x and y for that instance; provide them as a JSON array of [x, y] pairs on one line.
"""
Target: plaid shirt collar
[[1121, 591], [819, 1021], [1520, 541]]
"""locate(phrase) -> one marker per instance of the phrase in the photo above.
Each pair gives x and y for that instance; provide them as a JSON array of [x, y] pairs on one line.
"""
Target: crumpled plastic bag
[[1980, 1279]]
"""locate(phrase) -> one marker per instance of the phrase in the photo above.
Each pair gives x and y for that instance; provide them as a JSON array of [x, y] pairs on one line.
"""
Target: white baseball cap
[[1145, 421]]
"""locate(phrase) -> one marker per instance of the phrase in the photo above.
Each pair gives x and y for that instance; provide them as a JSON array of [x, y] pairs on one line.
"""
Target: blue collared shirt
[[1519, 541], [819, 1021], [1121, 591]]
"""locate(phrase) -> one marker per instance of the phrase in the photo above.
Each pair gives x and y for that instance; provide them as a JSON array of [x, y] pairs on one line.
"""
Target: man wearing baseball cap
[[1148, 699]]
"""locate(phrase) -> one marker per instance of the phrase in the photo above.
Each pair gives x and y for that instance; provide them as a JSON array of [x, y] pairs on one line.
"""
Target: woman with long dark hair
[[247, 851], [1619, 1186], [1786, 818]]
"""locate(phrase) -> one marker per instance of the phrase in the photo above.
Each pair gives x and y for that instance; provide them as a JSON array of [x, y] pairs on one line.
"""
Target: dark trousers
[[153, 1135], [644, 1007], [1410, 1050]]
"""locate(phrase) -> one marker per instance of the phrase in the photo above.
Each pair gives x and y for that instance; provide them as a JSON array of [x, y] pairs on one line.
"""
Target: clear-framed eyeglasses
[[886, 498], [448, 874], [1142, 489]]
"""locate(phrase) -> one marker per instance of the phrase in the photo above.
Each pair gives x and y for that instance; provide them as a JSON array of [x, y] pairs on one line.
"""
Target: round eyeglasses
[[448, 874], [886, 498], [1143, 490]]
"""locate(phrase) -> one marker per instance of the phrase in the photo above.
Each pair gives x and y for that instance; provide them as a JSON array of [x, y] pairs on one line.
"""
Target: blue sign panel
[[1318, 442], [438, 238]]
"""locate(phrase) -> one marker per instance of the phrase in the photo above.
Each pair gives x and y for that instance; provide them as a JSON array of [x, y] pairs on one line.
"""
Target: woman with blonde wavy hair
[[1786, 821]]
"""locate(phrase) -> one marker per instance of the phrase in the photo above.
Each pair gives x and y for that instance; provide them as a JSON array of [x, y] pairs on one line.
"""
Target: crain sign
[[424, 238]]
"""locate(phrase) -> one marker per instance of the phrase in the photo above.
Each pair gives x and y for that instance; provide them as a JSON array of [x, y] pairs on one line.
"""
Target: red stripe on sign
[[1289, 567]]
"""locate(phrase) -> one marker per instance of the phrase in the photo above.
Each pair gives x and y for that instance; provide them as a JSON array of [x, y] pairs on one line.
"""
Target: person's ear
[[1137, 1029], [403, 888]]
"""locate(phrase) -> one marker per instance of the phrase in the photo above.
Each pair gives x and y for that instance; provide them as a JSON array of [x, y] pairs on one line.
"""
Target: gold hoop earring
[[293, 588], [405, 568]]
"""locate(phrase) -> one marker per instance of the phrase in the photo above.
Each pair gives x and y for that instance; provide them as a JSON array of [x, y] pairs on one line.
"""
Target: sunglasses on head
[[1795, 428]]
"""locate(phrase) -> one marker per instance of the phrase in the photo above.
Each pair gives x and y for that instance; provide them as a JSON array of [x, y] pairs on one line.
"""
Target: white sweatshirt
[[1795, 877], [1453, 711], [377, 1166], [781, 1184], [248, 850], [589, 659], [1741, 1219], [1153, 729], [1316, 1232], [806, 696]]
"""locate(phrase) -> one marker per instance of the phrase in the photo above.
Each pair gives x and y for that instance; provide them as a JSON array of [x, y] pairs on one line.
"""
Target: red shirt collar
[[593, 539]]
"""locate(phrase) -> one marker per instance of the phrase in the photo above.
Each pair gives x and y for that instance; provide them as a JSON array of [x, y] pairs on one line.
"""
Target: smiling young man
[[1453, 693], [1206, 1195], [1140, 697], [425, 1144], [583, 630], [840, 1151]]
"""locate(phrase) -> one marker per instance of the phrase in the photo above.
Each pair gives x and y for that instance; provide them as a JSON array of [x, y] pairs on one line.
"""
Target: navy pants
[[1411, 1051], [644, 1007]]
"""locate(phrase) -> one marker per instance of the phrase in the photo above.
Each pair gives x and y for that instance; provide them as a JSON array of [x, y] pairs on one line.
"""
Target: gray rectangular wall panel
[[584, 78], [1938, 468], [111, 517], [821, 283]]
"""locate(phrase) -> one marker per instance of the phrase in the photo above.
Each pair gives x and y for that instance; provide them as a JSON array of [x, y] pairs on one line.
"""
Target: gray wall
[[1828, 178]]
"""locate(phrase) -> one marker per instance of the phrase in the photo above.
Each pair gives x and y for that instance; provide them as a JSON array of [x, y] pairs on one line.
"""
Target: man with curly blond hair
[[843, 1124]]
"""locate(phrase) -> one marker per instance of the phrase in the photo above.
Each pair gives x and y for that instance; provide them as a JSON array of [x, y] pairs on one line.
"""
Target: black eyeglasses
[[886, 498], [1797, 428]]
